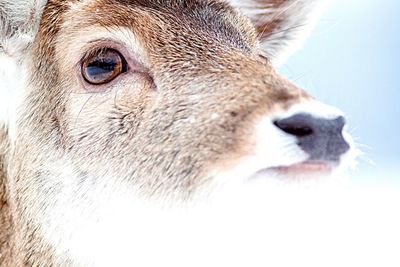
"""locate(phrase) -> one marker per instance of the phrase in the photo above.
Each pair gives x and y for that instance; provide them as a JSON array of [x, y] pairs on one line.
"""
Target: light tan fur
[[5, 216]]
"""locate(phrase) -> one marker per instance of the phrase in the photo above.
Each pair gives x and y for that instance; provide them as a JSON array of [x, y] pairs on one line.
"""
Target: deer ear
[[282, 25], [19, 21]]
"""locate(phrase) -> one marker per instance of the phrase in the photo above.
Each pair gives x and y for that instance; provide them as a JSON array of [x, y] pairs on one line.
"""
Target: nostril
[[295, 126]]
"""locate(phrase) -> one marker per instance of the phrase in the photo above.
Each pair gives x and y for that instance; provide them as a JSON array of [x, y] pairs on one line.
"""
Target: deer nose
[[321, 138]]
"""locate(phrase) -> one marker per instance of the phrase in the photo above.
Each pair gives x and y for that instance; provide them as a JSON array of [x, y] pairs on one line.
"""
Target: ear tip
[[283, 25]]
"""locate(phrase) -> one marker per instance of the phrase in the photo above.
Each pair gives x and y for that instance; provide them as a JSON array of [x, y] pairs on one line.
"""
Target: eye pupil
[[103, 67], [98, 70]]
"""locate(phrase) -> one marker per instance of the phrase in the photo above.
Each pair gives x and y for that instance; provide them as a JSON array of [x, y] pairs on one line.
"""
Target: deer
[[110, 106]]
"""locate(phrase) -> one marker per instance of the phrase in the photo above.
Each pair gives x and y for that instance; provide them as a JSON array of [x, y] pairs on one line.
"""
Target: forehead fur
[[207, 19]]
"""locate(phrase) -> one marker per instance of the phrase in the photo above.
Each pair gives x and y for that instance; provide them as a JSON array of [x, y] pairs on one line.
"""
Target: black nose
[[322, 139]]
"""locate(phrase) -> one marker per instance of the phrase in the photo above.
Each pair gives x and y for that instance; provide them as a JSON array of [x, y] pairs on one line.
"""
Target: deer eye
[[103, 66]]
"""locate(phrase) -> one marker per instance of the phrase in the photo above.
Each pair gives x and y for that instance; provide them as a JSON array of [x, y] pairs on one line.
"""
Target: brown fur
[[5, 216], [212, 64]]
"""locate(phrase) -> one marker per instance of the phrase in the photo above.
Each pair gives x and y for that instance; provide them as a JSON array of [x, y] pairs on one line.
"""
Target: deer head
[[106, 104]]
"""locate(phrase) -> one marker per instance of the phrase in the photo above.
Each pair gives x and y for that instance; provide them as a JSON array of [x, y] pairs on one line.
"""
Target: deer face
[[166, 98], [159, 100]]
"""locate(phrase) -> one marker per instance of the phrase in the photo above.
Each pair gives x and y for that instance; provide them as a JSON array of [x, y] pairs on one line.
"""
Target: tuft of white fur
[[8, 69], [297, 19]]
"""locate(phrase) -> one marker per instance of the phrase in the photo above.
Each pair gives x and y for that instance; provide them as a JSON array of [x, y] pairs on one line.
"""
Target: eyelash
[[265, 58], [92, 52]]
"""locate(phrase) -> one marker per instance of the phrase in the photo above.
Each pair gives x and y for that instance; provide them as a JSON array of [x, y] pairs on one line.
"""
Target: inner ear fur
[[282, 25], [19, 21]]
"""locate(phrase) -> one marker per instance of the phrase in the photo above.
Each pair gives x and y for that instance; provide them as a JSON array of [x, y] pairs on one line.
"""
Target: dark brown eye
[[103, 67]]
